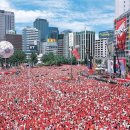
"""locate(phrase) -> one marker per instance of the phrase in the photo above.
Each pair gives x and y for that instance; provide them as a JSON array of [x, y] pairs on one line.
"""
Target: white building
[[50, 47], [71, 39], [7, 23], [30, 37], [122, 6], [66, 43], [86, 40], [101, 48], [60, 44]]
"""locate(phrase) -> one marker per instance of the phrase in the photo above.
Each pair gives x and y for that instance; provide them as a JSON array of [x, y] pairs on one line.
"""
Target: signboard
[[106, 34], [51, 40], [120, 33], [33, 47]]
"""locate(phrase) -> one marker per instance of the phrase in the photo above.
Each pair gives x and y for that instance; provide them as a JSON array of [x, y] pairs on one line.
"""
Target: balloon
[[6, 49]]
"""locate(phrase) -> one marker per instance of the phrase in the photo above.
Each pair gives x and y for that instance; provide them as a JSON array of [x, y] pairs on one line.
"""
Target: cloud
[[5, 5], [60, 13], [29, 16], [64, 4], [74, 26]]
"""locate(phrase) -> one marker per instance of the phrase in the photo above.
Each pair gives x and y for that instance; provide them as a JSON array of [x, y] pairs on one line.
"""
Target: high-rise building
[[122, 6], [30, 39], [42, 26], [53, 33], [7, 23], [15, 39], [108, 36], [86, 41], [122, 36], [66, 52], [50, 48], [60, 44], [101, 50]]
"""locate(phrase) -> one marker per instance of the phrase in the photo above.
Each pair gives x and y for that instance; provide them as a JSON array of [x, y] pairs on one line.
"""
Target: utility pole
[[89, 57], [71, 73]]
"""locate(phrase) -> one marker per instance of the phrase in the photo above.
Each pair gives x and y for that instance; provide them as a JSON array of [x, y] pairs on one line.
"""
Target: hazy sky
[[95, 15]]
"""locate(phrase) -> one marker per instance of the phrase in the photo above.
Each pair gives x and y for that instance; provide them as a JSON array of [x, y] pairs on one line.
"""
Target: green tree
[[98, 61], [47, 57], [1, 62], [33, 58], [51, 59], [18, 57]]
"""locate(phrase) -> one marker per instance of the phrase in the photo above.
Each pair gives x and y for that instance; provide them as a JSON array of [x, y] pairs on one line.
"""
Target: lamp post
[[71, 73], [89, 57], [116, 55]]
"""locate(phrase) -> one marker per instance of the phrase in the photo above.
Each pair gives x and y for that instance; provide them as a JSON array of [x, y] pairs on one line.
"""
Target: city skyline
[[94, 15]]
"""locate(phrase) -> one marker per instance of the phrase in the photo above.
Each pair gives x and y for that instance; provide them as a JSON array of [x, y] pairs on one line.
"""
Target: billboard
[[106, 34], [51, 40], [33, 47], [120, 33]]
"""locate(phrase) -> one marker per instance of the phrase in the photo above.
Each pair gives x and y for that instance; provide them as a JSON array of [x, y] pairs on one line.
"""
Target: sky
[[76, 15]]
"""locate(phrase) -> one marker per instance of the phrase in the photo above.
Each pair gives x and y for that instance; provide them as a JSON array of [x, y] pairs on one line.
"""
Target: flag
[[76, 54]]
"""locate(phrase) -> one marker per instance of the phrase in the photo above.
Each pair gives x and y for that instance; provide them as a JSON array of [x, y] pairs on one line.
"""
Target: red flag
[[76, 54]]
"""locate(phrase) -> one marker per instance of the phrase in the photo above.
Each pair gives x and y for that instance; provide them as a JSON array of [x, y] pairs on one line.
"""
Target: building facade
[[30, 38], [50, 47], [53, 33], [109, 35], [66, 52], [101, 50], [15, 39], [122, 37], [7, 23], [86, 41], [60, 44], [42, 26], [122, 6]]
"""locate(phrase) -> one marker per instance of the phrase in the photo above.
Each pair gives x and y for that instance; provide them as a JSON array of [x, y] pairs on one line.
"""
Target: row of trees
[[48, 59], [17, 58], [51, 59]]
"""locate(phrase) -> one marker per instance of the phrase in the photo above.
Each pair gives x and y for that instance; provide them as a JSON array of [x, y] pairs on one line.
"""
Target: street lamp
[[116, 55], [70, 49], [90, 57]]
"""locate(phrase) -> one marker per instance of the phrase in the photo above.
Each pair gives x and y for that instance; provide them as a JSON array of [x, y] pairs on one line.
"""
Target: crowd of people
[[48, 98]]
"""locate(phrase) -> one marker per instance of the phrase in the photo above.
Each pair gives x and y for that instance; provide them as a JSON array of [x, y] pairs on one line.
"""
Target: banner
[[120, 33], [122, 62], [76, 54]]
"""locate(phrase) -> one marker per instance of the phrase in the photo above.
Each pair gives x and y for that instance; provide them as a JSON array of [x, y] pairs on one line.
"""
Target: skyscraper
[[53, 33], [7, 23], [66, 52], [101, 50], [86, 40], [30, 37], [15, 39], [122, 6], [60, 44], [42, 26]]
